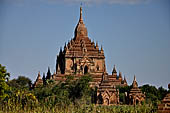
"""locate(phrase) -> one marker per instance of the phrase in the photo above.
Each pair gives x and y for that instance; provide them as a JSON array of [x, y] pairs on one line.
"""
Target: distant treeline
[[76, 95]]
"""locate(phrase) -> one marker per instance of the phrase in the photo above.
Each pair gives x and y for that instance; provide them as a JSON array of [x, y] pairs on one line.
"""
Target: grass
[[78, 109]]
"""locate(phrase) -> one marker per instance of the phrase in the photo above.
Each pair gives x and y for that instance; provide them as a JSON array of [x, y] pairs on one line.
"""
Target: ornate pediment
[[106, 94], [86, 60]]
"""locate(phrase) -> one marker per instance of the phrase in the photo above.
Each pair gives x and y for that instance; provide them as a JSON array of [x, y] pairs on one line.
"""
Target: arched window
[[75, 68], [97, 67], [85, 70], [81, 67], [106, 101], [137, 101]]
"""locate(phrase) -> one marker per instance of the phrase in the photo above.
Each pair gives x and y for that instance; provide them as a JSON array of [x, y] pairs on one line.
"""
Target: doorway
[[85, 70]]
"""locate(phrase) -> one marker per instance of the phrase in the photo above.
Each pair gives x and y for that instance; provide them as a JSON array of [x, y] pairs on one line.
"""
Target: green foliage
[[20, 100], [153, 95], [42, 92], [149, 89], [21, 82], [64, 93], [122, 98], [4, 76], [122, 91], [161, 93], [73, 95], [80, 88], [82, 109]]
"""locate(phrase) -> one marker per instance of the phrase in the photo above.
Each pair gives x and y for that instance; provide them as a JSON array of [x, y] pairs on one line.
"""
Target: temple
[[135, 96], [81, 56], [107, 94], [38, 81], [164, 107]]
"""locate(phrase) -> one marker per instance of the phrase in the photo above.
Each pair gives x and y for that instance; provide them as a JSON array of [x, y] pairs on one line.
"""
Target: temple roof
[[39, 76], [125, 80], [38, 80], [135, 89], [134, 84], [114, 69], [81, 30], [81, 45], [166, 98], [120, 74], [105, 84]]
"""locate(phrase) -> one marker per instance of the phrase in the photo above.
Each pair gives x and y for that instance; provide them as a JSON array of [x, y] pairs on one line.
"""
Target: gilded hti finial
[[134, 78], [81, 17]]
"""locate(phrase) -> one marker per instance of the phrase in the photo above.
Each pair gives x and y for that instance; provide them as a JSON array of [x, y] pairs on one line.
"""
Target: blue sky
[[135, 35]]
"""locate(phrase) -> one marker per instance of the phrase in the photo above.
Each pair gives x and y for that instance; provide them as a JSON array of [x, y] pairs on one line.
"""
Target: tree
[[21, 82], [4, 76], [80, 91], [21, 99], [161, 93], [151, 92], [122, 96]]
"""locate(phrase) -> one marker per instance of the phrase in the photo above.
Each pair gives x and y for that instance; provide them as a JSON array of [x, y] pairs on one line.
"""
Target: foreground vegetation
[[81, 109], [73, 96]]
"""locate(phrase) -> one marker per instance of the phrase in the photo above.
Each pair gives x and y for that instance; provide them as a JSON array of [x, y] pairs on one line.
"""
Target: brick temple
[[164, 107], [135, 95], [81, 56]]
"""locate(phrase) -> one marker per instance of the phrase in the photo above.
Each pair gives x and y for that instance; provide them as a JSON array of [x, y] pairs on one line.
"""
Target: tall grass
[[92, 108]]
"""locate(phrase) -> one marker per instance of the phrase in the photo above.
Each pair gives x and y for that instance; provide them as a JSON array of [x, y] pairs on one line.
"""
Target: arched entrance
[[75, 68], [106, 101], [85, 70], [137, 101], [100, 99]]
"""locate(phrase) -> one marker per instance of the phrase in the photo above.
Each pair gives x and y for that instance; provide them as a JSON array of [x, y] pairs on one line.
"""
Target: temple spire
[[101, 48], [114, 69], [120, 75], [58, 69], [38, 81], [39, 76], [134, 84], [97, 47], [81, 30], [125, 82], [48, 74], [81, 17], [134, 78]]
